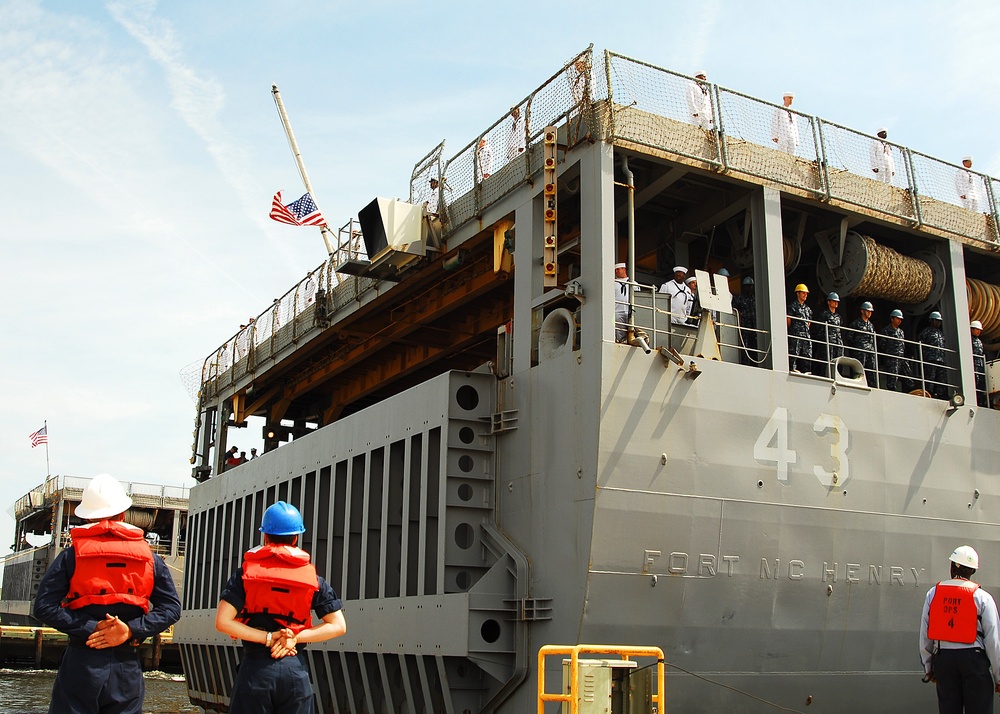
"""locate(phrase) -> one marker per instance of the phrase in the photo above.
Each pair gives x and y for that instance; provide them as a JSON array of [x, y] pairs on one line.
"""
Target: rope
[[719, 684], [984, 305], [893, 276]]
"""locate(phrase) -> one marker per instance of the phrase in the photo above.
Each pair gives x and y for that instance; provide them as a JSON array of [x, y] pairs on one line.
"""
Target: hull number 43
[[772, 447]]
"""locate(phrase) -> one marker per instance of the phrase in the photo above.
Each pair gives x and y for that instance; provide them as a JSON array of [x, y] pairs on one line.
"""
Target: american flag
[[40, 437], [302, 212]]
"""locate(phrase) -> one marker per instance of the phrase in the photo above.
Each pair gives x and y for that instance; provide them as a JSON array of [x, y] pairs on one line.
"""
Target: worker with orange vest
[[268, 604], [959, 642], [107, 593]]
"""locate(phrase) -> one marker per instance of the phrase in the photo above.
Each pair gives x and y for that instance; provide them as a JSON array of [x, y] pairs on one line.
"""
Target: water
[[29, 691]]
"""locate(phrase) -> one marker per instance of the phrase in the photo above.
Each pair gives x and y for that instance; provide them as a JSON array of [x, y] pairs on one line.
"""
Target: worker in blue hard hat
[[268, 604], [932, 357], [861, 340], [892, 350], [828, 343]]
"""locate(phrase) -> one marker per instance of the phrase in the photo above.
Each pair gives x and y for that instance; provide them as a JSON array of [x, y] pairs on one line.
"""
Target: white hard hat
[[967, 158], [976, 324], [965, 555], [102, 498]]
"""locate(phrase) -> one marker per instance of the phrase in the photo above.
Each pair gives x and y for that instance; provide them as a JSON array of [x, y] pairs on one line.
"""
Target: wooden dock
[[43, 647]]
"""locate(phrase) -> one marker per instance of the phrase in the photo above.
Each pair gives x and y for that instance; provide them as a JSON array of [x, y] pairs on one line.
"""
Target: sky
[[140, 149]]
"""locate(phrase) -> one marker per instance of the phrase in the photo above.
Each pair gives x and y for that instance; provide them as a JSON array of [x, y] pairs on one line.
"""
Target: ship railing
[[502, 157], [153, 494], [924, 368], [654, 315], [648, 108]]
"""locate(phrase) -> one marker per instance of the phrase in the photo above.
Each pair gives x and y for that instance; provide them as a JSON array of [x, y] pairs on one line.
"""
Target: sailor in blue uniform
[[932, 344], [979, 363], [277, 577], [745, 305], [826, 333], [100, 672], [861, 339], [798, 321], [890, 343]]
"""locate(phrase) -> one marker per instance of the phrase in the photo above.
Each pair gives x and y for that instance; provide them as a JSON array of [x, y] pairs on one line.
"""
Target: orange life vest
[[279, 582], [113, 565], [953, 614]]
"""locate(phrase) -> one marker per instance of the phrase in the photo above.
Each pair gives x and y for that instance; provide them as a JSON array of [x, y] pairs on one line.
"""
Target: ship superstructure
[[45, 514], [487, 463]]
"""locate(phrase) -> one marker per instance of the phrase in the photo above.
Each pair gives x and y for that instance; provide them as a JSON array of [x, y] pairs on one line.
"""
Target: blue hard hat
[[896, 313], [934, 315], [723, 271], [833, 296], [282, 519], [748, 280], [867, 306]]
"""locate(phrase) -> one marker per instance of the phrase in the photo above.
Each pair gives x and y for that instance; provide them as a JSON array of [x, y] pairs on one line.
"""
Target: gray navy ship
[[497, 446]]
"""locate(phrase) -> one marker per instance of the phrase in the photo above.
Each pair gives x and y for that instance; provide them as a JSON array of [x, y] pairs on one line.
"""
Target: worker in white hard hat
[[107, 593], [959, 643], [968, 185], [785, 125], [681, 298], [979, 363], [699, 101], [622, 290], [892, 351], [798, 320], [883, 164], [932, 355]]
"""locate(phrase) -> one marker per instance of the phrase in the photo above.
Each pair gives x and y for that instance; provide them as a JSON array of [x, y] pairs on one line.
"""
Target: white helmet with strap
[[965, 555]]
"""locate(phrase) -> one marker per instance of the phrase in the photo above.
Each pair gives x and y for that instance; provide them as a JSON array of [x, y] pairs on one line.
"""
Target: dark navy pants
[[272, 686], [964, 681], [98, 682]]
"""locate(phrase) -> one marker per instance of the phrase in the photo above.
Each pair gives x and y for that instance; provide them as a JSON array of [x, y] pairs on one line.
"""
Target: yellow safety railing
[[573, 696]]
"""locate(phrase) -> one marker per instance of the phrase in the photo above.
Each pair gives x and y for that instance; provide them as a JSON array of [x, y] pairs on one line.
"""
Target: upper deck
[[335, 342]]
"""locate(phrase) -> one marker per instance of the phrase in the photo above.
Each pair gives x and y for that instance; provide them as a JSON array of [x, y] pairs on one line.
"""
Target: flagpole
[[324, 230], [48, 470]]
